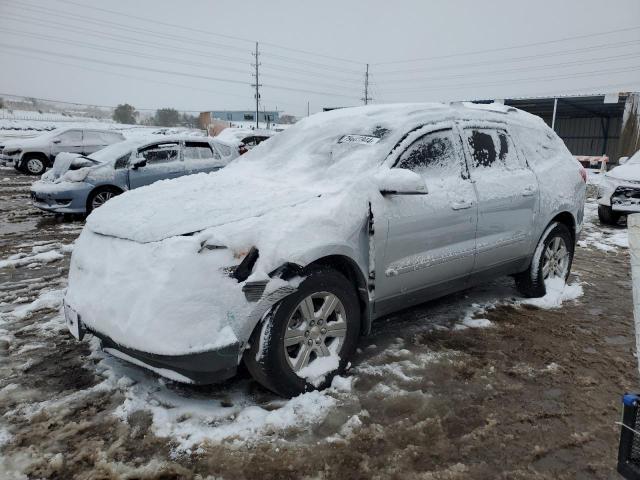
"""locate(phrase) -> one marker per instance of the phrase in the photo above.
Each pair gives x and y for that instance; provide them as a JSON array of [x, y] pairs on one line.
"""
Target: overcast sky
[[178, 54]]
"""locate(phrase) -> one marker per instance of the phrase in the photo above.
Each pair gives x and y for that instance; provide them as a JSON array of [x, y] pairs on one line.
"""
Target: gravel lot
[[476, 385]]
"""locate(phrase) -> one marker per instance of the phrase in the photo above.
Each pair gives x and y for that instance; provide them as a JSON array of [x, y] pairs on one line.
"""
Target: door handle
[[461, 205], [529, 190]]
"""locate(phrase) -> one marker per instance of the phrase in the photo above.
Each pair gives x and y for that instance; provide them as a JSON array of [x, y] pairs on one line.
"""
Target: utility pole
[[257, 85], [307, 109], [366, 99]]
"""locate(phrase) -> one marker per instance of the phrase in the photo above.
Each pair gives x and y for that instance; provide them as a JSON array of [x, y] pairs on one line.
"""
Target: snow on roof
[[116, 150]]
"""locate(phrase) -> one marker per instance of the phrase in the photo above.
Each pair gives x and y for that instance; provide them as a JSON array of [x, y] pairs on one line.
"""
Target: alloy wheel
[[316, 328], [555, 263], [35, 165], [101, 198]]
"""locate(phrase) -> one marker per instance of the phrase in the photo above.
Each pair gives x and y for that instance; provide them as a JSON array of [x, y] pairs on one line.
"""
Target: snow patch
[[558, 291]]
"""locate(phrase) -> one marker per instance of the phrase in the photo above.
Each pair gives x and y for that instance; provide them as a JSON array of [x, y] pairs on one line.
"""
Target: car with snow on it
[[245, 139], [34, 155], [284, 258], [80, 184], [619, 191]]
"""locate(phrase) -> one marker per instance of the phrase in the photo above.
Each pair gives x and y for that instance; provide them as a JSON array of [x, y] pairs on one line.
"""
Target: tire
[[100, 196], [33, 165], [530, 283], [607, 216], [272, 363]]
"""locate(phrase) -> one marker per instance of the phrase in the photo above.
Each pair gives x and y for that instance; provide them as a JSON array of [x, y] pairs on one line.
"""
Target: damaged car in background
[[284, 258], [34, 155], [619, 191], [80, 184]]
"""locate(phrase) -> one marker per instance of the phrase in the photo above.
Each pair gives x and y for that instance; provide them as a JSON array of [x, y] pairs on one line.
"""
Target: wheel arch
[[568, 220], [350, 269]]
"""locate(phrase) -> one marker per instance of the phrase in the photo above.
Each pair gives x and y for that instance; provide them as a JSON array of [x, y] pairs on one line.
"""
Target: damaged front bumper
[[164, 306]]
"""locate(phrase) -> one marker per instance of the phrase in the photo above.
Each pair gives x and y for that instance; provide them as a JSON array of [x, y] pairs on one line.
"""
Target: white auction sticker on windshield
[[360, 139]]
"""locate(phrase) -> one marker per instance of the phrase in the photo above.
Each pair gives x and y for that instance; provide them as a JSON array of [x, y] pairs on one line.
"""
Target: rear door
[[430, 238], [163, 161], [201, 157], [93, 141], [507, 192]]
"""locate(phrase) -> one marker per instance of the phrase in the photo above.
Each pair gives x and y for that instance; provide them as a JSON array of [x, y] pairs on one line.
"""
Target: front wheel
[[100, 196], [552, 259], [34, 166], [607, 216], [308, 337]]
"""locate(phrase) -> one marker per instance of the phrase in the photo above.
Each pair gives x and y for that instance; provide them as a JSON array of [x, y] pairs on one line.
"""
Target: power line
[[512, 47], [520, 69], [206, 32], [522, 80], [118, 38], [311, 63], [119, 26], [129, 53], [130, 40], [513, 59]]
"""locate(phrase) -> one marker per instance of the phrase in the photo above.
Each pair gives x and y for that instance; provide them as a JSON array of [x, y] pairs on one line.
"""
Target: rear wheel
[[308, 337], [552, 259], [100, 196], [34, 165], [607, 216]]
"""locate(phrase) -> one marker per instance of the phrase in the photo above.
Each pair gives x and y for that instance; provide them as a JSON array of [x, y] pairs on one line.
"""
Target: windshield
[[334, 143]]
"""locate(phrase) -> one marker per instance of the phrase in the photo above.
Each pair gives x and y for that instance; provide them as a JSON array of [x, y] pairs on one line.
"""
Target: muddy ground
[[534, 394]]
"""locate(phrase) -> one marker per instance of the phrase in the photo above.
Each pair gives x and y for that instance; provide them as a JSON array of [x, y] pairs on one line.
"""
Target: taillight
[[583, 174]]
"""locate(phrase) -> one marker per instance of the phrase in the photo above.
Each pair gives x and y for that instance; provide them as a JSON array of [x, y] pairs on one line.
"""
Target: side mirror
[[400, 181], [138, 162], [622, 160]]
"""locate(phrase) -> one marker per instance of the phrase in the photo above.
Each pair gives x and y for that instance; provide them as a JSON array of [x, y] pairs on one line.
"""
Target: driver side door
[[69, 141], [160, 161], [430, 246]]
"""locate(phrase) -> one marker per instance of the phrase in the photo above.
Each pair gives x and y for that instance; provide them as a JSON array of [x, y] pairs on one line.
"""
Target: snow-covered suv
[[285, 257], [35, 155]]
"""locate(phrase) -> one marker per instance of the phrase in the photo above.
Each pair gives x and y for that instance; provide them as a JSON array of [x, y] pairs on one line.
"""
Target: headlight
[[13, 152]]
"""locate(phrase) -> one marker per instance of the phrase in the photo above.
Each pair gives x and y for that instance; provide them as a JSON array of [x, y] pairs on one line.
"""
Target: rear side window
[[432, 155], [492, 149], [161, 153], [225, 150], [199, 151]]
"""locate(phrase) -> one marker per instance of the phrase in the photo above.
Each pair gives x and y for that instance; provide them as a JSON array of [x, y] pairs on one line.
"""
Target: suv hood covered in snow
[[628, 171]]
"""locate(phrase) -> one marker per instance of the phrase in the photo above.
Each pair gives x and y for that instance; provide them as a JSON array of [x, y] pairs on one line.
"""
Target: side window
[[432, 155], [199, 151], [72, 137], [122, 162], [492, 149], [160, 153], [225, 150], [93, 138], [507, 151], [483, 150]]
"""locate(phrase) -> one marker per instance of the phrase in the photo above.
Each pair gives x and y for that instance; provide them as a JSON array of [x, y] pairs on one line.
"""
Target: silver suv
[[34, 155], [285, 257]]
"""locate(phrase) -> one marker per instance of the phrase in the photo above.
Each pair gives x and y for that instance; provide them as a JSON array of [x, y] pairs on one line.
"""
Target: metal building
[[590, 125]]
